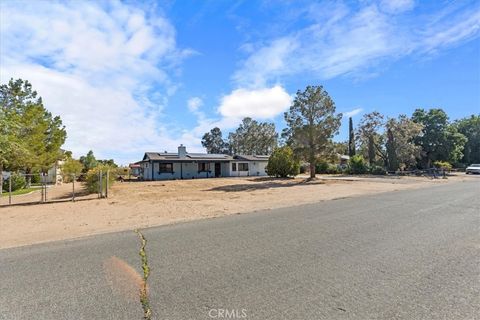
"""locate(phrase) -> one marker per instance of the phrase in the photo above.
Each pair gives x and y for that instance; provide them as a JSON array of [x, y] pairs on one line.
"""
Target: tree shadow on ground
[[80, 192], [266, 183], [365, 176]]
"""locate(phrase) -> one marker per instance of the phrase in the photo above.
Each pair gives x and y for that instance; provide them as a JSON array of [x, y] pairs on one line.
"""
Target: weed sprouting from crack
[[144, 300]]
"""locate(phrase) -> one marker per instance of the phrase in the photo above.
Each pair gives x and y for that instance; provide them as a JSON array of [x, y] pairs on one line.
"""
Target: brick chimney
[[182, 151]]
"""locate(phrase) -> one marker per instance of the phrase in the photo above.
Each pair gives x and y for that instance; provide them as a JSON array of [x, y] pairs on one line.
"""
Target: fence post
[[98, 181], [100, 184], [46, 176], [42, 182], [73, 188], [1, 183], [10, 189], [106, 184]]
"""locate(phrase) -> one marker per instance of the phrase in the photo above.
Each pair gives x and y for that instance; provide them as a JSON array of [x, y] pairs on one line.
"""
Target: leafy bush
[[303, 168], [377, 170], [443, 165], [18, 182], [321, 166], [282, 163], [334, 169], [71, 167], [92, 178], [357, 165], [35, 178]]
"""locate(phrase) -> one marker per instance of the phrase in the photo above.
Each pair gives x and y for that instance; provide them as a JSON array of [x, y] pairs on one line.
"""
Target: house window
[[165, 168], [234, 167], [203, 166], [243, 167]]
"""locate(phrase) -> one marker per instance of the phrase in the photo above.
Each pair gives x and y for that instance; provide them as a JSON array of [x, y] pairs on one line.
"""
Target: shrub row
[[356, 165], [92, 178], [18, 182]]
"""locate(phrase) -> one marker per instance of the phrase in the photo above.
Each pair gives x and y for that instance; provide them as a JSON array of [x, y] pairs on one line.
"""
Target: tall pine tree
[[351, 138]]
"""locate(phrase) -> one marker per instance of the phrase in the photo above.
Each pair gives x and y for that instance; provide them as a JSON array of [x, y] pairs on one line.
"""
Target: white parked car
[[473, 168]]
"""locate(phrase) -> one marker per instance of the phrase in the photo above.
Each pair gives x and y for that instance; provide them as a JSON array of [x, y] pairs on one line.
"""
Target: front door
[[218, 169]]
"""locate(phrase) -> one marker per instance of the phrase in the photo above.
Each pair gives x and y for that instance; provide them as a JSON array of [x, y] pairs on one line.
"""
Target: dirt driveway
[[144, 204]]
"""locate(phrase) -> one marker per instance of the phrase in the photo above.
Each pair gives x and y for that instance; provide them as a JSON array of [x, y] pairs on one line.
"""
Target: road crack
[[144, 299]]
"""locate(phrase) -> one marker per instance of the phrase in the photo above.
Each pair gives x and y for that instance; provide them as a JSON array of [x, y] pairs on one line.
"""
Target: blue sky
[[128, 77]]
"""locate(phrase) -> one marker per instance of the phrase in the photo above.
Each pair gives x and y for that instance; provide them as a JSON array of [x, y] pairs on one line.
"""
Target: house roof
[[247, 157], [166, 156], [156, 156]]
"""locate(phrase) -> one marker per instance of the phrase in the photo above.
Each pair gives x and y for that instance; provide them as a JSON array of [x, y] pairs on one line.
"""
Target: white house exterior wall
[[255, 168], [189, 170], [183, 170], [226, 169]]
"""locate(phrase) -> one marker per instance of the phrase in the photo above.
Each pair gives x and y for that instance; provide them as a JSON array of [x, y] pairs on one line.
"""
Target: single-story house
[[135, 169], [185, 165], [343, 159], [54, 174]]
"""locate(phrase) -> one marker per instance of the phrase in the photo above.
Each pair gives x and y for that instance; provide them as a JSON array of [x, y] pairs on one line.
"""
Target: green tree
[[92, 181], [253, 137], [67, 155], [18, 182], [311, 124], [370, 136], [400, 147], [213, 141], [39, 133], [351, 138], [282, 163], [10, 147], [88, 161], [357, 165], [439, 140], [110, 162], [70, 168], [470, 128]]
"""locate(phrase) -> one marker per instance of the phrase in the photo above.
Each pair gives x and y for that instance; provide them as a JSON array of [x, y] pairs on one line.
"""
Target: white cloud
[[352, 113], [446, 32], [261, 104], [265, 103], [267, 60], [352, 42], [105, 69], [397, 6], [194, 104]]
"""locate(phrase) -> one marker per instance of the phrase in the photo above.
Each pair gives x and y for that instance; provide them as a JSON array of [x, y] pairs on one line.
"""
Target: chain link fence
[[37, 188]]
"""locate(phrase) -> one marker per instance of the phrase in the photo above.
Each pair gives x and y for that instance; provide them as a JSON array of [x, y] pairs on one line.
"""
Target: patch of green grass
[[19, 191]]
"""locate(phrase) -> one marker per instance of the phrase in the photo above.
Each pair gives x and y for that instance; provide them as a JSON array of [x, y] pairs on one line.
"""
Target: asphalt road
[[401, 255]]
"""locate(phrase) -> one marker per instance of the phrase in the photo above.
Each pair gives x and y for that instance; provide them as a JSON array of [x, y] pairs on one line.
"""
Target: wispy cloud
[[396, 6], [352, 113], [353, 42], [194, 104], [105, 69]]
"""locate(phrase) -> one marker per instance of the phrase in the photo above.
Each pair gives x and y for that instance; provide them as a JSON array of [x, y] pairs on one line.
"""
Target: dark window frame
[[203, 167], [165, 170], [242, 165], [234, 166]]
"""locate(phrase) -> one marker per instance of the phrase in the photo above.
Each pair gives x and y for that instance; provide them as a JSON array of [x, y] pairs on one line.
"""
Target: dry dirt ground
[[144, 204]]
